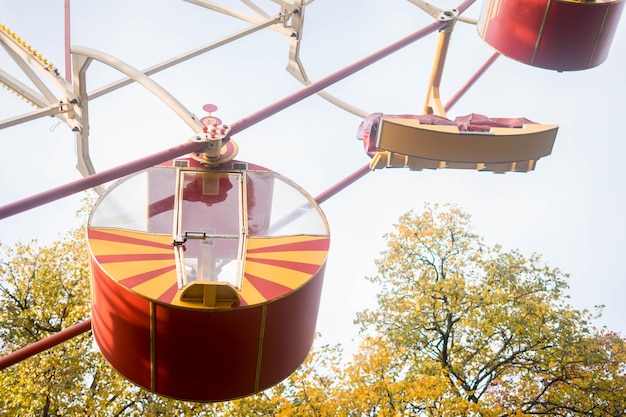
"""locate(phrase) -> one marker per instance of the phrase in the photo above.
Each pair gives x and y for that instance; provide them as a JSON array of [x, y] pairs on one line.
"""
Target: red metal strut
[[44, 344]]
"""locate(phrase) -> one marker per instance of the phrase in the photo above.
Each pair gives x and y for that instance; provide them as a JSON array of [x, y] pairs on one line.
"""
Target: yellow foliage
[[44, 290], [460, 329]]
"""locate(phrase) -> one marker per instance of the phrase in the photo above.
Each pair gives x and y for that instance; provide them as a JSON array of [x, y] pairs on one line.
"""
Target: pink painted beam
[[240, 125], [114, 173], [97, 179], [359, 173], [68, 57], [331, 79], [319, 85], [472, 80], [44, 344]]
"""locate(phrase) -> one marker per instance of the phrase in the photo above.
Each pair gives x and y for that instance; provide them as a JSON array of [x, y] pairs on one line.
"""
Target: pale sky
[[570, 209]]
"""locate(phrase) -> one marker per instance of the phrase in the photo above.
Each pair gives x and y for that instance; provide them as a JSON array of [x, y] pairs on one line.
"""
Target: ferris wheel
[[194, 247]]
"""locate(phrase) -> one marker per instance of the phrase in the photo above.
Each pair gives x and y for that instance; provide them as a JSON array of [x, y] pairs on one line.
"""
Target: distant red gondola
[[563, 35]]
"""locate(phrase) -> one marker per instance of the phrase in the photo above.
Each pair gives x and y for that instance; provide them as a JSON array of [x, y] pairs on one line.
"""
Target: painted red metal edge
[[44, 344]]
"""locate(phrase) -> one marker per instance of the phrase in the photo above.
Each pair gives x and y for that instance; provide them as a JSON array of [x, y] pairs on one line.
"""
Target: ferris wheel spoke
[[102, 177], [22, 90], [243, 16], [188, 55], [256, 8], [486, 65], [57, 109]]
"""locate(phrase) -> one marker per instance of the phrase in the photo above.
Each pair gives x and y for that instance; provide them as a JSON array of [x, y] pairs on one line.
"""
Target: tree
[[491, 329], [463, 329], [460, 329], [42, 291]]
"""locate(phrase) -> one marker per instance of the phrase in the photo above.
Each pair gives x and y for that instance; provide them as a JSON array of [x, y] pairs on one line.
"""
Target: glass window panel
[[211, 202], [211, 206], [143, 202], [213, 260], [161, 191], [259, 188], [287, 208], [124, 205]]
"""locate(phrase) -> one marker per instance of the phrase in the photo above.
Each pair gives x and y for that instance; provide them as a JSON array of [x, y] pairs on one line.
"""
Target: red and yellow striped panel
[[279, 265], [145, 264], [141, 262]]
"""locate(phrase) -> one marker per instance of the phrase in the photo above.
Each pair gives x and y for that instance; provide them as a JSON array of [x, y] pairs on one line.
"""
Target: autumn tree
[[461, 329], [44, 289], [489, 332]]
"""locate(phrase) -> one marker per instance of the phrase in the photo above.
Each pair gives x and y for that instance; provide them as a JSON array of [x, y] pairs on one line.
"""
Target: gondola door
[[210, 236]]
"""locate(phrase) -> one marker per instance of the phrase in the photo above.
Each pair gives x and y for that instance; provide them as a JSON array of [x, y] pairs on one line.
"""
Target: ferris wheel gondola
[[562, 35], [201, 291]]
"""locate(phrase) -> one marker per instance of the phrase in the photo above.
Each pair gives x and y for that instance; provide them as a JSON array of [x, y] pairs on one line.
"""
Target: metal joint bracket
[[68, 107], [293, 19], [180, 240], [450, 16], [290, 9], [215, 137]]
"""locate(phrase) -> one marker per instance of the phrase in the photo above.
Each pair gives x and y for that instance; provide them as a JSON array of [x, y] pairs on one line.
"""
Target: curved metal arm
[[82, 58], [296, 68], [189, 118]]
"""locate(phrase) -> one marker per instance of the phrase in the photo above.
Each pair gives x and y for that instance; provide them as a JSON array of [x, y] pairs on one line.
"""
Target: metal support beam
[[99, 178], [67, 42], [341, 185], [44, 344], [22, 90], [188, 55], [237, 15], [54, 109], [471, 81], [433, 97]]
